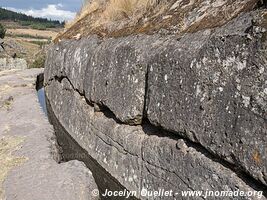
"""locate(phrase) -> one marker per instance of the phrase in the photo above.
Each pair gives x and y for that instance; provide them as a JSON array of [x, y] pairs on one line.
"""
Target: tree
[[2, 31]]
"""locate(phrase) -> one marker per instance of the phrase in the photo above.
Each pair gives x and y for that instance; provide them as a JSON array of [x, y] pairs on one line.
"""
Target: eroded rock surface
[[135, 155], [12, 63], [28, 152], [211, 88], [110, 73], [208, 87]]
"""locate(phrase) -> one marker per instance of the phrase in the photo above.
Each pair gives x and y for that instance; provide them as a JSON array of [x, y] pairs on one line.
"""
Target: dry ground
[[33, 32]]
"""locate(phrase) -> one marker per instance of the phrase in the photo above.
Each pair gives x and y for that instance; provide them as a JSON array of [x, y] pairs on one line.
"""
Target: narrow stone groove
[[159, 131], [125, 152], [71, 150], [172, 172], [104, 109], [240, 172], [146, 98], [153, 174]]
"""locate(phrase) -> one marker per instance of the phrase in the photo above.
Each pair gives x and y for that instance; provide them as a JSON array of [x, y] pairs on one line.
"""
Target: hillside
[[27, 36], [25, 20]]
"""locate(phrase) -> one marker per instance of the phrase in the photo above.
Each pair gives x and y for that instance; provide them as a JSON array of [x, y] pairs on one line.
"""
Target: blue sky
[[53, 9]]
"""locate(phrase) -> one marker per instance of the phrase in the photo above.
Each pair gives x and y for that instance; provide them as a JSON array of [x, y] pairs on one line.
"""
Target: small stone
[[96, 108], [180, 144]]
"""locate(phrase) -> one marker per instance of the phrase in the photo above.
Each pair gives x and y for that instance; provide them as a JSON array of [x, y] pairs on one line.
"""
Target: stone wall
[[185, 113], [12, 63]]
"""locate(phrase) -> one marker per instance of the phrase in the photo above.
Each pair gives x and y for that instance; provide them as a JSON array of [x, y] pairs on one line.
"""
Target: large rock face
[[207, 87], [138, 158], [116, 81], [211, 88]]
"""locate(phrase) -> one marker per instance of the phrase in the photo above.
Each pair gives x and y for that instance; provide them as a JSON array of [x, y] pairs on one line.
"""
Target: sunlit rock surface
[[29, 154], [204, 89]]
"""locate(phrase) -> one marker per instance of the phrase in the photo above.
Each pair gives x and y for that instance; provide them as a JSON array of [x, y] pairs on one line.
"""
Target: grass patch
[[2, 31], [39, 62], [29, 36], [117, 9], [39, 26], [40, 43], [8, 161], [8, 103], [110, 15], [117, 18]]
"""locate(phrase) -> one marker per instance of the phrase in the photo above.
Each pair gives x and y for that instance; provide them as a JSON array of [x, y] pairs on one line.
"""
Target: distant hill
[[25, 20]]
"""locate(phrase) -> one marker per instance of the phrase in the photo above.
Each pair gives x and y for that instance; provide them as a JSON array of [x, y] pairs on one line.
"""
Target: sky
[[51, 9]]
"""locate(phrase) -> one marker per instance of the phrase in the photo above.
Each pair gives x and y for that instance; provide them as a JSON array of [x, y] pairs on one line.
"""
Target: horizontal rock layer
[[135, 155], [209, 87]]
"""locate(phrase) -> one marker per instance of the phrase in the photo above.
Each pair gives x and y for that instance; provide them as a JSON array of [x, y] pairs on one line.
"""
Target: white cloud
[[52, 11]]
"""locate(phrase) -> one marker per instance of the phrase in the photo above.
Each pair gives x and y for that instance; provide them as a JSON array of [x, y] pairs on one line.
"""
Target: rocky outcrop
[[12, 63], [211, 89], [141, 158], [29, 154], [198, 103]]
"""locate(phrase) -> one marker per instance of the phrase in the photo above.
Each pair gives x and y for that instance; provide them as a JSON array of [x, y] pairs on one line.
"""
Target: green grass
[[29, 36], [39, 62], [40, 43], [38, 26], [2, 31]]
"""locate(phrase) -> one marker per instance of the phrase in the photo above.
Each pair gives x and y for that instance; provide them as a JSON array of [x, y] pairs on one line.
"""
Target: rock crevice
[[150, 131]]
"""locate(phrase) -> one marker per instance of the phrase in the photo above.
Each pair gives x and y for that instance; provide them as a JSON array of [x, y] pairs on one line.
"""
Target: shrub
[[25, 23], [38, 26], [114, 10], [2, 31], [40, 43], [39, 62]]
